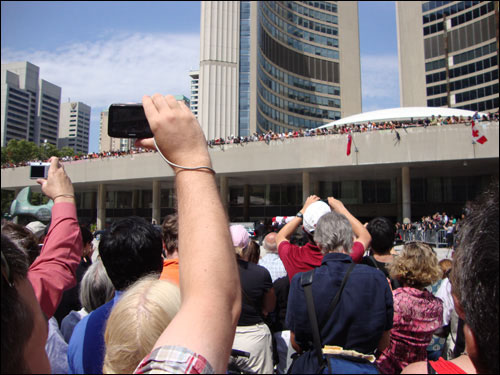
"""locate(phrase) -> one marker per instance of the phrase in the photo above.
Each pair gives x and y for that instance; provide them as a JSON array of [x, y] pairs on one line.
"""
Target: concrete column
[[246, 202], [224, 192], [316, 188], [101, 207], [135, 200], [406, 197], [306, 186], [156, 201]]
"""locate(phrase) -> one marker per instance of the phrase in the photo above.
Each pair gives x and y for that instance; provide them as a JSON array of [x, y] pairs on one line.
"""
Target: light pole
[[45, 149]]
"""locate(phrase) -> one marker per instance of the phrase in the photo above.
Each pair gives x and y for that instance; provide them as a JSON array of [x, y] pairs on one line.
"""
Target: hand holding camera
[[177, 132], [57, 185]]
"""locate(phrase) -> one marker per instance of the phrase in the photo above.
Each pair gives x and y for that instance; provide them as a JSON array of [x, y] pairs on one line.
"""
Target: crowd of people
[[429, 226], [198, 296], [274, 136], [349, 128], [92, 155]]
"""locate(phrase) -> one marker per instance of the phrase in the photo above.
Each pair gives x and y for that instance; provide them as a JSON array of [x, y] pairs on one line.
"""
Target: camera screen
[[37, 171], [128, 121]]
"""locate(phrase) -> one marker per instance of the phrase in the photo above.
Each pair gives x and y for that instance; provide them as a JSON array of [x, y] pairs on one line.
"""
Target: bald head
[[270, 243]]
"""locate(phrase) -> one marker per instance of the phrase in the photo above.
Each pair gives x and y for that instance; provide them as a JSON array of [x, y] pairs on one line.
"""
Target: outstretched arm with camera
[[54, 270], [211, 305]]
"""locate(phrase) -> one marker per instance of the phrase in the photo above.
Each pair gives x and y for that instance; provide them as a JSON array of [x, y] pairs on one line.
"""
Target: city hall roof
[[400, 114]]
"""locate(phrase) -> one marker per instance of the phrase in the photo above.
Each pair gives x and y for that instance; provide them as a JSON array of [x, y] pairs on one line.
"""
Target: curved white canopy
[[400, 114]]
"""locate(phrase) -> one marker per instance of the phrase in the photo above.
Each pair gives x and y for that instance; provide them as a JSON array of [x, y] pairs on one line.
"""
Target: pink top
[[302, 259], [417, 314], [54, 271]]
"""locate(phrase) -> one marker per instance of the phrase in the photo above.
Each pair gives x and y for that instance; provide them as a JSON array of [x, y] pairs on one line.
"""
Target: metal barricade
[[435, 238]]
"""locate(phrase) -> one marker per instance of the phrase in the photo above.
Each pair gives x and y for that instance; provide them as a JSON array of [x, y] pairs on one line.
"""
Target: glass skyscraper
[[448, 53], [289, 64]]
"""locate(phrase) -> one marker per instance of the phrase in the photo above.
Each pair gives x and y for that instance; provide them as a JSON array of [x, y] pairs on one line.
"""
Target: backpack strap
[[336, 299], [372, 259], [306, 280]]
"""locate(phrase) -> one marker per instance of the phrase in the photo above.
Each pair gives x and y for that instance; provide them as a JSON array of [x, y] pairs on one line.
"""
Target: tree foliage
[[22, 151]]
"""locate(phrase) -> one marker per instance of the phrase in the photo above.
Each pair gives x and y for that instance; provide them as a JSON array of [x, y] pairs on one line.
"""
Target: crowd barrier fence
[[436, 238]]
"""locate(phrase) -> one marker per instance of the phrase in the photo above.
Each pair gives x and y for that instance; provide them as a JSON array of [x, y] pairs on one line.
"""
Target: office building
[[448, 54], [278, 66], [74, 126], [30, 105], [195, 88]]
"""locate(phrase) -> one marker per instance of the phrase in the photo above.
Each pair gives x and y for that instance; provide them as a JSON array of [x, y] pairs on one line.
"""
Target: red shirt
[[302, 259], [54, 270]]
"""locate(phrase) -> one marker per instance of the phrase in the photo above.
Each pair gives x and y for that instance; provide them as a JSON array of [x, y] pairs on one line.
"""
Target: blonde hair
[[239, 250], [136, 322], [445, 265], [416, 266]]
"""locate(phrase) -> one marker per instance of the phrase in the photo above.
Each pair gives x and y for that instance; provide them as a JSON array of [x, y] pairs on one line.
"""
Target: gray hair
[[96, 287], [270, 243], [333, 233]]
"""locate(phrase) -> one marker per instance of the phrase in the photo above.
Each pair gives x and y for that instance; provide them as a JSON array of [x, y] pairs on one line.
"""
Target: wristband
[[63, 195], [300, 215], [180, 166]]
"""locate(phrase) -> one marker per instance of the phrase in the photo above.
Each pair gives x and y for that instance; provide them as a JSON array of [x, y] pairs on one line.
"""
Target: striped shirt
[[174, 359]]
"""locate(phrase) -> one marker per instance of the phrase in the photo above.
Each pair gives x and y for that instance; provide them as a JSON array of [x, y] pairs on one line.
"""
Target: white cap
[[36, 227], [313, 213]]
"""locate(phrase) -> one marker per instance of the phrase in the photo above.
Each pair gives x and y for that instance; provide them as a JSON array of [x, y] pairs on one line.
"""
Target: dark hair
[[170, 233], [252, 252], [87, 236], [474, 275], [382, 231], [23, 238], [17, 316], [130, 249]]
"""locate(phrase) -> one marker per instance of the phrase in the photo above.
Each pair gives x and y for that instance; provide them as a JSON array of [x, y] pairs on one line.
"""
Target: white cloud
[[119, 69], [379, 81], [122, 68]]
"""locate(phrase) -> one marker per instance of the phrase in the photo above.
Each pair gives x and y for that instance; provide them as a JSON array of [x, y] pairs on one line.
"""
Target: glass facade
[[364, 198], [244, 73], [461, 51], [297, 65]]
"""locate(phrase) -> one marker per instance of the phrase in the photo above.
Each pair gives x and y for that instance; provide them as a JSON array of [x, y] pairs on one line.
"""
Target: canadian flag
[[477, 135], [349, 142]]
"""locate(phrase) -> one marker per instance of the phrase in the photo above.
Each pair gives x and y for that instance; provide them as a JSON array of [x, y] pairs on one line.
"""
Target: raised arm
[[360, 232], [289, 229], [211, 304], [54, 271]]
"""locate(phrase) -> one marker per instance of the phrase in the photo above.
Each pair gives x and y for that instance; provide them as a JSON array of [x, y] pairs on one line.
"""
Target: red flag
[[477, 135], [349, 141]]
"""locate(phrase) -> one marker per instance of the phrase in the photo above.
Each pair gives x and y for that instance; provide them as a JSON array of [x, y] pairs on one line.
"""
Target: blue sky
[[105, 52]]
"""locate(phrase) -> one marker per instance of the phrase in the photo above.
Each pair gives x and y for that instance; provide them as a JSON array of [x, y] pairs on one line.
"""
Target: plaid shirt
[[174, 359], [273, 263]]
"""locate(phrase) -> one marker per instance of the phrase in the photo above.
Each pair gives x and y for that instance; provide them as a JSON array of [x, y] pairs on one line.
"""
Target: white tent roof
[[400, 114]]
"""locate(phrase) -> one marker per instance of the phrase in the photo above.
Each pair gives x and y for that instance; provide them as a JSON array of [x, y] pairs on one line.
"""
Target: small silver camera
[[39, 170]]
